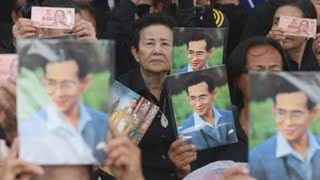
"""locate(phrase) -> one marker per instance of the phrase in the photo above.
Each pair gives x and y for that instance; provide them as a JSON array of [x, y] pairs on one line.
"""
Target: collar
[[190, 68], [284, 148], [56, 119], [199, 122], [133, 80]]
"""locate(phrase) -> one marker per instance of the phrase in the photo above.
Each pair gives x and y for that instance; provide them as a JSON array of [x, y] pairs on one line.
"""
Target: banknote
[[53, 17], [294, 26]]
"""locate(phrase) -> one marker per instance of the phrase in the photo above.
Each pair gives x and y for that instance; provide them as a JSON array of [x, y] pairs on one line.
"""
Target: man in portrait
[[66, 131], [199, 51], [294, 152], [207, 126]]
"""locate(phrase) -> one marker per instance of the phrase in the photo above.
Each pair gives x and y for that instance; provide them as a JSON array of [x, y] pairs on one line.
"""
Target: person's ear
[[214, 93], [134, 52], [315, 113], [210, 52], [85, 83]]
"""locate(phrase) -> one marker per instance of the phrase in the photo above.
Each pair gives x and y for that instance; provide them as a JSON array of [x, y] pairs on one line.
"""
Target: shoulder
[[266, 148], [97, 115], [129, 77], [262, 160], [225, 114], [185, 69], [187, 123], [37, 121]]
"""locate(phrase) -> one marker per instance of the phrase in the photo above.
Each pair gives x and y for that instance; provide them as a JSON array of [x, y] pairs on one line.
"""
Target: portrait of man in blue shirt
[[199, 51], [294, 152], [66, 131], [207, 126]]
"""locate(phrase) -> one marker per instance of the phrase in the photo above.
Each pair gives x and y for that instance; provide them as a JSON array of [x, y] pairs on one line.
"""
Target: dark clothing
[[237, 152], [309, 61], [2, 134], [102, 13], [120, 28], [5, 19], [259, 21], [188, 16], [7, 47], [156, 142], [237, 17]]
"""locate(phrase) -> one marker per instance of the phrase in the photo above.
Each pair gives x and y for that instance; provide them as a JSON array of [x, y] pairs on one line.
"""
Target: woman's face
[[290, 42], [155, 49]]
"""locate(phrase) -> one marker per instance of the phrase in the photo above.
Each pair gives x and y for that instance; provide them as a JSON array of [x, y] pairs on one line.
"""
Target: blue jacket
[[264, 165], [203, 138]]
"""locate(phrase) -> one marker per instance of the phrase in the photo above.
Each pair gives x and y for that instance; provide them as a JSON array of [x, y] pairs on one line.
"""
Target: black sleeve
[[189, 16], [102, 14], [120, 28], [259, 21], [121, 22], [237, 17]]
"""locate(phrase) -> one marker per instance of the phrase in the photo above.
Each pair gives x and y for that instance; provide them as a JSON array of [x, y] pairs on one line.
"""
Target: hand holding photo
[[62, 101], [284, 125], [202, 108], [130, 113]]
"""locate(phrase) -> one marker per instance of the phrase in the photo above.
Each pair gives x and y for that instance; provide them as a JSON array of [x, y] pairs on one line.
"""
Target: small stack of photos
[[130, 113], [62, 100], [284, 125], [198, 89]]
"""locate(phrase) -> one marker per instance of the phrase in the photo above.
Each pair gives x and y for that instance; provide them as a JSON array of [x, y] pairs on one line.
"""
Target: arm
[[189, 16], [124, 157], [121, 23], [14, 167], [182, 154]]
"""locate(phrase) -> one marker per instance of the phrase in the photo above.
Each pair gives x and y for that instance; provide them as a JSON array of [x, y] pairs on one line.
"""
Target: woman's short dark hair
[[236, 63], [148, 20], [306, 7]]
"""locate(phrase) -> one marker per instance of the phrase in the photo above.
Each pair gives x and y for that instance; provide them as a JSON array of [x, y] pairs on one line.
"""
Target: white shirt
[[56, 142]]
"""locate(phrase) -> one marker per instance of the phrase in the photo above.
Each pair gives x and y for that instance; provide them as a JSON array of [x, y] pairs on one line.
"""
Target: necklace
[[164, 121]]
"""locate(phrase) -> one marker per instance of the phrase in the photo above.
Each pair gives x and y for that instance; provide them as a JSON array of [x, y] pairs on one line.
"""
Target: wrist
[[183, 173]]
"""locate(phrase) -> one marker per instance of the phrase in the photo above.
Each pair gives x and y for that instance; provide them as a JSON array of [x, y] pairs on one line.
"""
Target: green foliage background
[[180, 59], [183, 109], [32, 95], [262, 122]]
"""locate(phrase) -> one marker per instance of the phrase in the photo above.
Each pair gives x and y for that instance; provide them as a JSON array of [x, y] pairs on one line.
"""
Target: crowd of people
[[143, 35]]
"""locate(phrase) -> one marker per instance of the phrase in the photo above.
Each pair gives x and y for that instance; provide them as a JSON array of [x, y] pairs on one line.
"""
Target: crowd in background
[[254, 43]]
